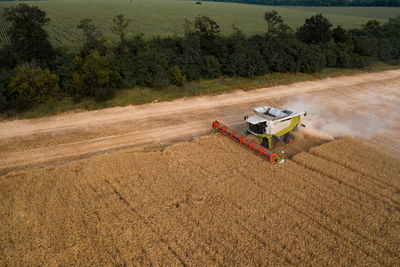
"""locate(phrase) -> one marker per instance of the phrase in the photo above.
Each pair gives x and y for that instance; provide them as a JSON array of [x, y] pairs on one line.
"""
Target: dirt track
[[37, 142], [210, 202]]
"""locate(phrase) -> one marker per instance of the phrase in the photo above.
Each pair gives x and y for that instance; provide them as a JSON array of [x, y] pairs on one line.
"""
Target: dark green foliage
[[119, 28], [315, 30], [94, 37], [340, 35], [93, 77], [210, 67], [175, 76], [275, 24], [329, 54], [64, 66], [7, 58], [391, 32], [207, 31], [201, 54], [30, 85], [373, 28], [28, 38], [234, 56], [312, 59], [365, 46], [151, 68], [190, 58], [343, 56], [5, 76]]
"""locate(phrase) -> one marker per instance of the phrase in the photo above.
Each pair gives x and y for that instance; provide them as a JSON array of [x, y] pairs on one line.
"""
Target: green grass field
[[166, 17], [3, 29]]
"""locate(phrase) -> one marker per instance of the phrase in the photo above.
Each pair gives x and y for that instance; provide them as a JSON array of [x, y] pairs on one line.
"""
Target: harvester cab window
[[258, 128]]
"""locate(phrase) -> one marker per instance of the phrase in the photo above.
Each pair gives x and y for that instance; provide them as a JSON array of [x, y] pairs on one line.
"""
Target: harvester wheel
[[264, 142], [289, 138]]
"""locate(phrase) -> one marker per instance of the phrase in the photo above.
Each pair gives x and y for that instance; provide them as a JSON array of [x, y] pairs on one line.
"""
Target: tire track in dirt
[[111, 115], [81, 149], [38, 142]]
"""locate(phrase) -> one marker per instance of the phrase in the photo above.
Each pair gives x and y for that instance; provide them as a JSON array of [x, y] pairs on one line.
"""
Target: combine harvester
[[271, 125]]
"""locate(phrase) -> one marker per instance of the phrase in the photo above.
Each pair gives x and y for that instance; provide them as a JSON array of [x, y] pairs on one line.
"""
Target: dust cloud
[[363, 113]]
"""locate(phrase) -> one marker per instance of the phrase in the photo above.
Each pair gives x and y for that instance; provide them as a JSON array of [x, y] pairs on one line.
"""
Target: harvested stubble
[[208, 202]]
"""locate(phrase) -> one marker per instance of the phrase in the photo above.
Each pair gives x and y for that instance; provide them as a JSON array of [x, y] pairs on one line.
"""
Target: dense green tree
[[273, 20], [311, 59], [7, 58], [119, 28], [329, 51], [275, 24], [93, 77], [175, 76], [151, 68], [372, 28], [343, 55], [31, 84], [340, 35], [190, 58], [94, 37], [391, 31], [365, 46], [315, 30], [233, 54], [28, 38], [66, 64], [5, 76], [207, 30], [392, 27], [201, 53]]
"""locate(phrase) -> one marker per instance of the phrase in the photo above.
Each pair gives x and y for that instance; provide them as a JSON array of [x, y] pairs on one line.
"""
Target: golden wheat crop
[[207, 202]]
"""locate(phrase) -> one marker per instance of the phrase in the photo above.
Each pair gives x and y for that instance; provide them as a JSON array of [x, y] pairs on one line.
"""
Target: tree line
[[388, 3], [32, 71]]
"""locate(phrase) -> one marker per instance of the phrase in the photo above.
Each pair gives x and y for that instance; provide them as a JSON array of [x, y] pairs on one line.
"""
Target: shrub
[[32, 84], [93, 77], [176, 77]]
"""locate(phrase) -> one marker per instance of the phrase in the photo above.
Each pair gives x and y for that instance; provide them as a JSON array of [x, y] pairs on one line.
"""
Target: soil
[[52, 140]]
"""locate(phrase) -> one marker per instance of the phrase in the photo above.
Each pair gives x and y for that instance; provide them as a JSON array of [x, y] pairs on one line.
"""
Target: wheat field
[[206, 202]]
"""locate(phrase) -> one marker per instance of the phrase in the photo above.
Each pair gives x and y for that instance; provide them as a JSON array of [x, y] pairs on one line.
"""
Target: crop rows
[[4, 40], [208, 202], [159, 17]]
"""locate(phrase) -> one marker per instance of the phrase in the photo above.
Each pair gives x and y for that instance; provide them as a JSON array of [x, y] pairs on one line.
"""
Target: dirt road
[[337, 106]]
